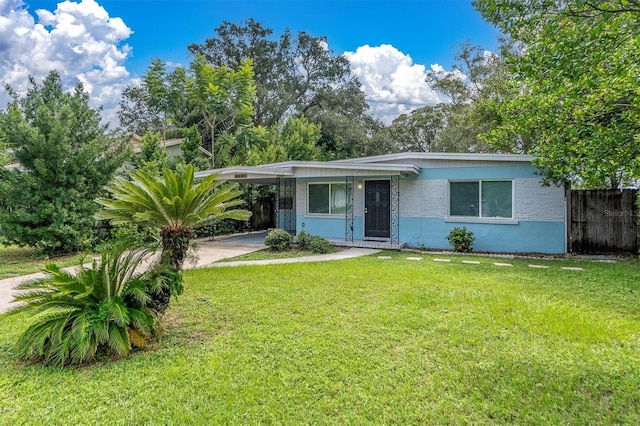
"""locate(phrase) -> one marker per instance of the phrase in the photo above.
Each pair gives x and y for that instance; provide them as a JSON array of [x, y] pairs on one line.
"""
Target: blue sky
[[424, 29], [107, 44]]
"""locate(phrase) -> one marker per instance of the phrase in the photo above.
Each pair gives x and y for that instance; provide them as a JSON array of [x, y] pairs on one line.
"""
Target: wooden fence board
[[602, 221]]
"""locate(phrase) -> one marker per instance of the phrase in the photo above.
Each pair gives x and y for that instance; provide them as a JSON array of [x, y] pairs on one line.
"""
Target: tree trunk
[[175, 245]]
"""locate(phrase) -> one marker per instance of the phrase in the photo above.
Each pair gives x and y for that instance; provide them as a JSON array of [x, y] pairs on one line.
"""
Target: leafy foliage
[[278, 240], [152, 157], [224, 98], [176, 204], [172, 202], [191, 148], [478, 82], [461, 239], [578, 99], [66, 159], [158, 104], [102, 310], [296, 75], [320, 245], [293, 74], [297, 140], [314, 243], [303, 240]]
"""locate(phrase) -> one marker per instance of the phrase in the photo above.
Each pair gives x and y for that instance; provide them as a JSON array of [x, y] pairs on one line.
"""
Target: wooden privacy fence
[[602, 221]]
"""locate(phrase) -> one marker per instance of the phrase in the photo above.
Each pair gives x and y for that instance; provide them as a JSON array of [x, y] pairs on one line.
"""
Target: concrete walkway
[[206, 254], [345, 254]]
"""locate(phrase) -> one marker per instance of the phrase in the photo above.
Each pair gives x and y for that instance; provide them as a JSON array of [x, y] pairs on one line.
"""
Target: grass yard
[[270, 254], [16, 261], [364, 341]]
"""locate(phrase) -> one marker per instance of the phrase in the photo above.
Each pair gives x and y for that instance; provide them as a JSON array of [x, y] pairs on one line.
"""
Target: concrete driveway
[[206, 253]]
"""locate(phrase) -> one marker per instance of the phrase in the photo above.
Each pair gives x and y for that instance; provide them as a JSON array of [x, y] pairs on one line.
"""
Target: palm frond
[[119, 340], [136, 338], [143, 320], [173, 200]]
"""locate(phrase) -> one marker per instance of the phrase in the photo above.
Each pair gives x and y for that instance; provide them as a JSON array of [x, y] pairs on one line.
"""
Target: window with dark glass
[[484, 198], [327, 198]]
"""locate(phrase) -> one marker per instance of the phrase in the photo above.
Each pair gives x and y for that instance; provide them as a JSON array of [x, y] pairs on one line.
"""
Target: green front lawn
[[16, 261], [364, 341]]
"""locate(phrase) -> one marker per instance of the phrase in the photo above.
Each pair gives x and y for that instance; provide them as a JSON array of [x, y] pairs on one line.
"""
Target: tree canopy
[[296, 75], [293, 74], [66, 158], [223, 97], [578, 101], [473, 88]]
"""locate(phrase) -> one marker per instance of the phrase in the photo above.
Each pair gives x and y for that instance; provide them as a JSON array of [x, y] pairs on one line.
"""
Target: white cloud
[[79, 39], [392, 83]]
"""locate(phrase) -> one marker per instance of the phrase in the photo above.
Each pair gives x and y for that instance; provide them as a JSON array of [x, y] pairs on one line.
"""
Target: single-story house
[[416, 199]]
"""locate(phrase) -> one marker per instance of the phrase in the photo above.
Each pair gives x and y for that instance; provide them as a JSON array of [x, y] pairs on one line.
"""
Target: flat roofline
[[461, 156], [288, 169]]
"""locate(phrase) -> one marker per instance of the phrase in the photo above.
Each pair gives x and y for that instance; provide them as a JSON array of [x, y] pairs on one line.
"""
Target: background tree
[[419, 131], [4, 154], [134, 114], [478, 82], [152, 156], [158, 104], [295, 76], [191, 145], [66, 159], [298, 140], [578, 102], [224, 98], [272, 61]]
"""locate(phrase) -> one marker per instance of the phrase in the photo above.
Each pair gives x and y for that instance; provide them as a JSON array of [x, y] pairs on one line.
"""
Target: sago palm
[[175, 203], [99, 310]]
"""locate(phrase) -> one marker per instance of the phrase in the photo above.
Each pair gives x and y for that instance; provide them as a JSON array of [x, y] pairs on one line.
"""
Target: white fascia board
[[288, 169], [250, 172], [396, 168], [461, 156]]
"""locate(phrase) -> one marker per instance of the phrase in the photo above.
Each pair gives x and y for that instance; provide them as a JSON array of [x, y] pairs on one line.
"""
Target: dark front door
[[377, 223]]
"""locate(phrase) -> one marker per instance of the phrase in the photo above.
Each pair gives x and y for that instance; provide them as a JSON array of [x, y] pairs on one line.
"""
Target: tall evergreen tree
[[66, 159]]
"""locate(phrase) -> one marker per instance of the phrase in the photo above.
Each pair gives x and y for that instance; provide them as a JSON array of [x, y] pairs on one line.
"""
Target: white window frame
[[480, 219], [308, 213]]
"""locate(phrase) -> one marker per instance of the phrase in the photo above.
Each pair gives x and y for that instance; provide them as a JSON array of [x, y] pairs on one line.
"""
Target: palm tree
[[176, 204], [100, 310]]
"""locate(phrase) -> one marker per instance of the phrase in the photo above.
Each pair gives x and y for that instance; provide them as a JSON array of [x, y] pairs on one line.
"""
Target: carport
[[280, 177]]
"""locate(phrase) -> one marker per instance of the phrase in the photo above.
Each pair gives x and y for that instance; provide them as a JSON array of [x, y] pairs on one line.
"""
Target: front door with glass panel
[[377, 217]]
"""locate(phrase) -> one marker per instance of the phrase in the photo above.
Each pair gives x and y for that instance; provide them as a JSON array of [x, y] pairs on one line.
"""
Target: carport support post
[[250, 205], [348, 232], [276, 204], [395, 209], [285, 204]]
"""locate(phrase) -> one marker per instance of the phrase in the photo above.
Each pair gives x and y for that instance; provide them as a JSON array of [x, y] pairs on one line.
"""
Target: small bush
[[304, 240], [319, 245], [278, 240], [461, 239]]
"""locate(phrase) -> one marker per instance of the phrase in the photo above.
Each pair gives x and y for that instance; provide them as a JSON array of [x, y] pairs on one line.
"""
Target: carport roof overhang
[[268, 174]]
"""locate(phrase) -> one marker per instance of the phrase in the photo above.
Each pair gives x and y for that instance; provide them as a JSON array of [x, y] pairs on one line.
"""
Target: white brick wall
[[535, 202], [532, 201]]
